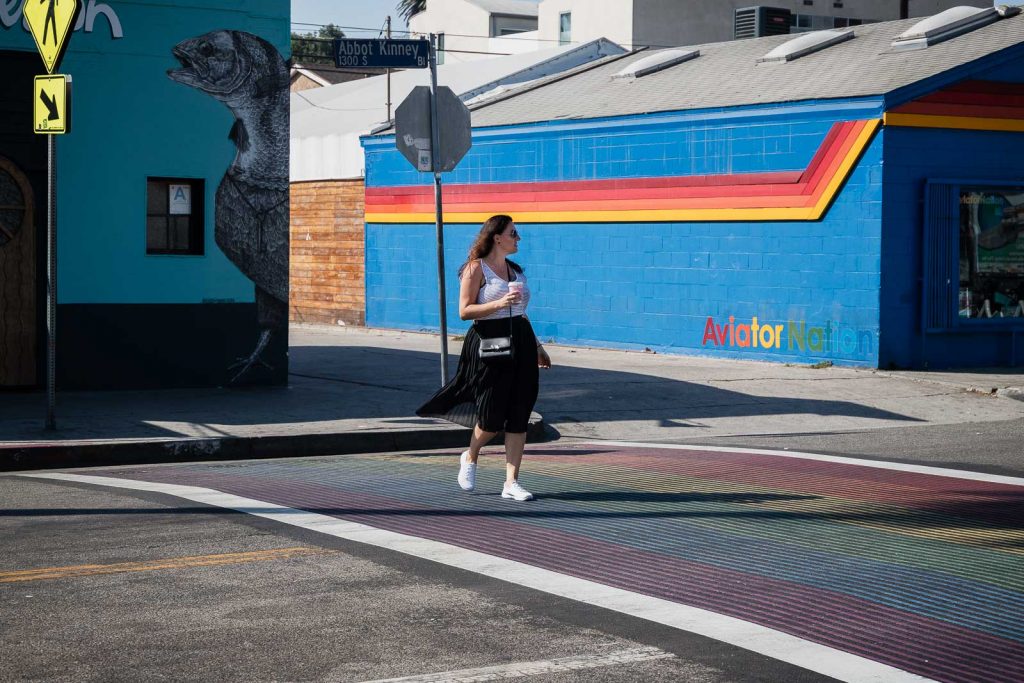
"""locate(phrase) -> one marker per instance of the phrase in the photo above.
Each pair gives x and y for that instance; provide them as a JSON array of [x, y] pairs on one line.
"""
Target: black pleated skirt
[[498, 399]]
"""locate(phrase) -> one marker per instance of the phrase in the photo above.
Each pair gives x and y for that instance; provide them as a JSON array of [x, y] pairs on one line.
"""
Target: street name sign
[[51, 106], [412, 129], [384, 53], [50, 22]]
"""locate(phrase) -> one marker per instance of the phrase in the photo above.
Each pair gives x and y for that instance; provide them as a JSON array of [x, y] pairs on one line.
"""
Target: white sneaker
[[467, 472], [515, 491]]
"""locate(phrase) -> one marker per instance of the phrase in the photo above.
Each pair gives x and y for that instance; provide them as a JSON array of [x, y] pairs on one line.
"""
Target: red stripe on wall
[[972, 110], [746, 190], [776, 178]]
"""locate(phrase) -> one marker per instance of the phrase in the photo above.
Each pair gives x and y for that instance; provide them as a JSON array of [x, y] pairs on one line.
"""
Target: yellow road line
[[150, 565]]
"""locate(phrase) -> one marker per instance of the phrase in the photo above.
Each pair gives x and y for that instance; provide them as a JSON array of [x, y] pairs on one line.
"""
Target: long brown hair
[[484, 242]]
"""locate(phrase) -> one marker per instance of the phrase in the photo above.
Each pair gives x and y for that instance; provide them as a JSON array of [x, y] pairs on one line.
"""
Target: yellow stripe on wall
[[660, 215], [844, 170], [955, 122]]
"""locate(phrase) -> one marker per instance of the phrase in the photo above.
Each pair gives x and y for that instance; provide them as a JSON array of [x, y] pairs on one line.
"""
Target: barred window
[[174, 216]]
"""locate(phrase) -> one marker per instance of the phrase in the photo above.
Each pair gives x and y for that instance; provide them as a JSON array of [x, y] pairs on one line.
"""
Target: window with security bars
[[974, 254], [174, 216]]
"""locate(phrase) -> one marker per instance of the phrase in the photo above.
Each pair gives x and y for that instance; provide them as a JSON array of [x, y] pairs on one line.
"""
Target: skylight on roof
[[954, 22], [656, 62], [805, 44]]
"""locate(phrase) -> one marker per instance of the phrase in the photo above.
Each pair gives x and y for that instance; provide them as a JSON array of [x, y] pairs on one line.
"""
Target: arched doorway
[[17, 278]]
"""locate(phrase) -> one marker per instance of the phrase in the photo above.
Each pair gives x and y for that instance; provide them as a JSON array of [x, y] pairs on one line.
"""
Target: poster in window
[[994, 217], [179, 199]]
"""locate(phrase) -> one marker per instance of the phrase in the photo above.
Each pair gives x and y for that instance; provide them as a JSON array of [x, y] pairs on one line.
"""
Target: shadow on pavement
[[384, 386]]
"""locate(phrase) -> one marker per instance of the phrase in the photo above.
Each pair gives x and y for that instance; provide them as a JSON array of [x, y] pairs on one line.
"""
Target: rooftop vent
[[755, 22], [656, 62], [954, 22], [805, 45]]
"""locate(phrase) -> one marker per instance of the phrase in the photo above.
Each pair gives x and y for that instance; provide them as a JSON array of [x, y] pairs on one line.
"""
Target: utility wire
[[457, 35], [631, 46]]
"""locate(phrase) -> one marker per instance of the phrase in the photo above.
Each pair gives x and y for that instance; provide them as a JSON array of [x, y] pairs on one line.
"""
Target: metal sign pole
[[389, 70], [51, 284], [435, 164]]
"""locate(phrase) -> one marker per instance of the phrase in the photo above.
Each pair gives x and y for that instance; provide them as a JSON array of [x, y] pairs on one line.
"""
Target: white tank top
[[495, 287]]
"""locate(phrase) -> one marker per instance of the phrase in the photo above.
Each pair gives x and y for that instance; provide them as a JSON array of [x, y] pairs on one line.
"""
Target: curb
[[15, 457], [1016, 393]]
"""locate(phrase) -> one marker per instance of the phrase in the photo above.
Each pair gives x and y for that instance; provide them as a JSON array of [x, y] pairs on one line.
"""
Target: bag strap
[[508, 267]]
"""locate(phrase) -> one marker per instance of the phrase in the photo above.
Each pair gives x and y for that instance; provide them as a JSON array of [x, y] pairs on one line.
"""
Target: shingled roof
[[729, 75]]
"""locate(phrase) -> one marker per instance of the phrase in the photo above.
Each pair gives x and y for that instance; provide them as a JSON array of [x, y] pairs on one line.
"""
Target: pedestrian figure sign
[[50, 22]]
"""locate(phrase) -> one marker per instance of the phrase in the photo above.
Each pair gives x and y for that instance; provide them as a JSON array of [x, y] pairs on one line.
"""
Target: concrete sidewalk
[[356, 390]]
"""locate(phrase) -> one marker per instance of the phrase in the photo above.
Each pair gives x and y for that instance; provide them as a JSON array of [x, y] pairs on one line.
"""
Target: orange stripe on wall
[[804, 199]]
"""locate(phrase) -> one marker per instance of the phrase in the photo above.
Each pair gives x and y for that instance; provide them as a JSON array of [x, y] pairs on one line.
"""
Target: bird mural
[[248, 75]]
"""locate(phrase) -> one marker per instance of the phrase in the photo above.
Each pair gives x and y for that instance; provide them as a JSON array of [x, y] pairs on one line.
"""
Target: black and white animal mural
[[248, 75]]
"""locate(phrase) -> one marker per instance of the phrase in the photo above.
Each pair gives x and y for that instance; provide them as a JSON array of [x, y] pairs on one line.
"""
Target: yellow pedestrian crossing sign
[[51, 23], [52, 105]]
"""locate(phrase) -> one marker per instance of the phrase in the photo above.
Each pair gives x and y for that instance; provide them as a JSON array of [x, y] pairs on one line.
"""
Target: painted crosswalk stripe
[[769, 642], [837, 459], [523, 669]]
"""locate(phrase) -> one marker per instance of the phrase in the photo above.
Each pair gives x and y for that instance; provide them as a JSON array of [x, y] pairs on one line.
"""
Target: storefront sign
[[797, 336]]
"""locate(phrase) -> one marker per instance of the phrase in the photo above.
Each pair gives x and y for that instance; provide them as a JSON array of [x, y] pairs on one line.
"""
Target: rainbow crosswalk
[[918, 571]]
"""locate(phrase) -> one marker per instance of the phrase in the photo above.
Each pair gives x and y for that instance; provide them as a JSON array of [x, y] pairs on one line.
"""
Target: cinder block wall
[[659, 285], [327, 269], [914, 156]]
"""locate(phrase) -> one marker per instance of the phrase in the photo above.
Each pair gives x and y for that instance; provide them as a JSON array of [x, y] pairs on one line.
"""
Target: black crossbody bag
[[498, 352]]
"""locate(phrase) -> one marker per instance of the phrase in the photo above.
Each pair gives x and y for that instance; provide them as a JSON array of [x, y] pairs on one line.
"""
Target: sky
[[359, 13]]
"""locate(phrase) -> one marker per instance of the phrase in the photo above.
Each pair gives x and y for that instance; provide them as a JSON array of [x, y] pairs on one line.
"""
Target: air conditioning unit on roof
[[754, 22]]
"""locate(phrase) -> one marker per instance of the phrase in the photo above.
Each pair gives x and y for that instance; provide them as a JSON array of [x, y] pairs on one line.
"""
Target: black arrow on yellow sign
[[51, 106]]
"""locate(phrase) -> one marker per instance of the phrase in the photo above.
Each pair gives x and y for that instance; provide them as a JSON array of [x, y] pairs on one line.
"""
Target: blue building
[[169, 240], [853, 196]]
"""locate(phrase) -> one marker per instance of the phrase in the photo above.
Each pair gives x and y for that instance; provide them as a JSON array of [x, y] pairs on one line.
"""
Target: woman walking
[[491, 397]]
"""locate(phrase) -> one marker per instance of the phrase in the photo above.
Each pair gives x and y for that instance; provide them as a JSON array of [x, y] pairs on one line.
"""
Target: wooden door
[[17, 278]]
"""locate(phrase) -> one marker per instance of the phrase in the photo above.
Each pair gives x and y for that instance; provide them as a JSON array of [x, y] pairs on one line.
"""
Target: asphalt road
[[141, 587], [992, 447]]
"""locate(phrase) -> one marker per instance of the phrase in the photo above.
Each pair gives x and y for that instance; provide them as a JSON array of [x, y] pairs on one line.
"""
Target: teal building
[[170, 239]]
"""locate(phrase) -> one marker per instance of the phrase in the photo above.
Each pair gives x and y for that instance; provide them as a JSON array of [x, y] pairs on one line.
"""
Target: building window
[[506, 25], [440, 49], [565, 28], [991, 252], [808, 2], [174, 216]]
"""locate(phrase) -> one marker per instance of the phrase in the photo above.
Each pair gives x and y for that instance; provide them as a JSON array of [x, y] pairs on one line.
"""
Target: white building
[[482, 28], [469, 30], [326, 123], [327, 167], [669, 23]]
